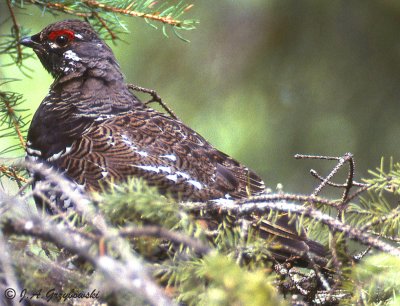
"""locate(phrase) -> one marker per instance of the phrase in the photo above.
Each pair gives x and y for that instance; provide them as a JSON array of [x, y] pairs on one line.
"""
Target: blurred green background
[[263, 80]]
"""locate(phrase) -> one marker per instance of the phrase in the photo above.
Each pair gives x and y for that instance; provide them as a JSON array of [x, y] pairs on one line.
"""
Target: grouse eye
[[61, 37], [62, 40]]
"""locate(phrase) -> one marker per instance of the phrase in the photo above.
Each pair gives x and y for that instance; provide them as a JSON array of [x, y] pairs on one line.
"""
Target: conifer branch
[[169, 226], [395, 213], [12, 173], [10, 112], [104, 24], [88, 8], [16, 31], [264, 205], [159, 232], [155, 17], [130, 275]]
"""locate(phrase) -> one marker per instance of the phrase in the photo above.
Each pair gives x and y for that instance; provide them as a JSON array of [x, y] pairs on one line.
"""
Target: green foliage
[[9, 46], [12, 118], [378, 212], [137, 202], [378, 276], [218, 280], [386, 180]]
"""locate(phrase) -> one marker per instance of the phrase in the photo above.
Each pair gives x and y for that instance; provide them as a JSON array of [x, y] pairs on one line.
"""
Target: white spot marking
[[32, 158], [172, 177], [33, 152], [148, 168], [142, 153], [78, 36], [169, 156], [104, 173], [69, 54], [102, 117], [183, 135], [183, 174], [195, 184], [126, 140], [55, 156], [223, 201], [67, 203], [111, 141], [81, 187], [28, 225], [165, 169], [154, 169], [137, 283]]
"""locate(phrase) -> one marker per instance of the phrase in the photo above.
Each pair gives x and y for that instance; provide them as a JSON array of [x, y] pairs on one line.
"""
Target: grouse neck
[[95, 92]]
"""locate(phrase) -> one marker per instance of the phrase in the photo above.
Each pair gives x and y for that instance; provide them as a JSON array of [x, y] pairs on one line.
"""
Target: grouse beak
[[31, 41]]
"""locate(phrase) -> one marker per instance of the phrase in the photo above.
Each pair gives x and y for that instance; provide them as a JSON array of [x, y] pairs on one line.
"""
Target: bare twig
[[264, 205], [104, 24], [346, 197], [348, 157], [356, 194], [321, 157], [155, 98], [361, 255], [341, 161], [321, 178], [11, 173], [270, 198]]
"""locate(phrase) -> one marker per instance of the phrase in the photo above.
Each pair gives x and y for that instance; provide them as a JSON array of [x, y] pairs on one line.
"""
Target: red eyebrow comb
[[54, 34]]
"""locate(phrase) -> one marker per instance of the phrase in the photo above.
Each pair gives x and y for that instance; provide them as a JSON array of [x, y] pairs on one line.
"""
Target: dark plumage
[[93, 129]]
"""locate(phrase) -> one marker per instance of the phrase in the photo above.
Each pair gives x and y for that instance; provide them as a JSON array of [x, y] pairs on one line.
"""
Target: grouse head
[[70, 47], [88, 80]]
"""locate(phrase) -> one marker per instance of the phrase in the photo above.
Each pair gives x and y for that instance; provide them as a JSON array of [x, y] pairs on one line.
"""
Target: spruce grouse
[[93, 129]]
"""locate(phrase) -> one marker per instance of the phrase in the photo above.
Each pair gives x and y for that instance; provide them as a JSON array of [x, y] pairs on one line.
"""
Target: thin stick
[[349, 182], [315, 174], [104, 24], [12, 174], [155, 98], [263, 205]]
